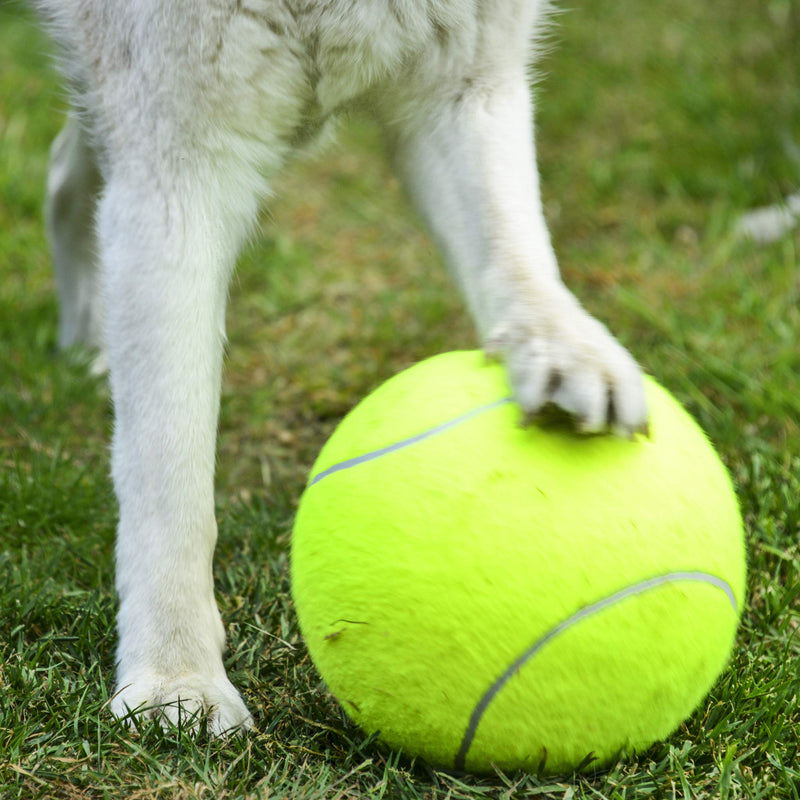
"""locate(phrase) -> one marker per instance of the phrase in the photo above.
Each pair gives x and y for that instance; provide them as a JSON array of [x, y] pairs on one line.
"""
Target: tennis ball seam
[[355, 461], [587, 611]]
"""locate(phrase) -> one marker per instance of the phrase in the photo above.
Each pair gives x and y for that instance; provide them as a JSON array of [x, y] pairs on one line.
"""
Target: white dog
[[184, 111]]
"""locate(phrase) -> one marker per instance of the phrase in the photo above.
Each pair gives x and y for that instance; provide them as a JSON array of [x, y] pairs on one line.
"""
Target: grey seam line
[[391, 448], [578, 616]]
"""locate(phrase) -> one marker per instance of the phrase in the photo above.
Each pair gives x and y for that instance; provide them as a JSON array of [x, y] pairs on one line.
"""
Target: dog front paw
[[184, 701], [566, 357]]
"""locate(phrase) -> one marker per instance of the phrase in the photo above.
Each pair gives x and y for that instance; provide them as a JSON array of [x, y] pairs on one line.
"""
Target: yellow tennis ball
[[484, 594]]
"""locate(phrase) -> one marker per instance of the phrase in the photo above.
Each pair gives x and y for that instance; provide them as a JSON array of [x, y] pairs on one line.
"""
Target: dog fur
[[184, 110]]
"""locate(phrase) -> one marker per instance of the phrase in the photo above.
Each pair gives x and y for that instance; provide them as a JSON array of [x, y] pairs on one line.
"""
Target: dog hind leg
[[72, 187]]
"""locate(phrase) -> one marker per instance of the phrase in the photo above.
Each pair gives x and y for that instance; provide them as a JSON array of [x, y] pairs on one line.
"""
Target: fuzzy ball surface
[[486, 595]]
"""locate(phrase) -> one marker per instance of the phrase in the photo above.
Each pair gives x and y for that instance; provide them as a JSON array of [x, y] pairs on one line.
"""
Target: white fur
[[191, 106]]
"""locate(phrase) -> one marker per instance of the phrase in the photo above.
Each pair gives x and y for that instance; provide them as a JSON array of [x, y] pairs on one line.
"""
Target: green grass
[[658, 124]]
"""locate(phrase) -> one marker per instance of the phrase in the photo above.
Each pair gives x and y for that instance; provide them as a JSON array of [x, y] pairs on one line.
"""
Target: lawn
[[658, 125]]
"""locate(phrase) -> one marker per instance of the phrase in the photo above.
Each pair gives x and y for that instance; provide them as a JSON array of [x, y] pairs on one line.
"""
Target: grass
[[658, 124]]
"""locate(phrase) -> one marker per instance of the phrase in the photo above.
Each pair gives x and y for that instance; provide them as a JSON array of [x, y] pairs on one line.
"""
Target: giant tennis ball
[[484, 594]]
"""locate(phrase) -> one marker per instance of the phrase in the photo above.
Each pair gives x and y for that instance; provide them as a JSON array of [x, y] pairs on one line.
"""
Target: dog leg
[[469, 163], [72, 187], [169, 230]]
